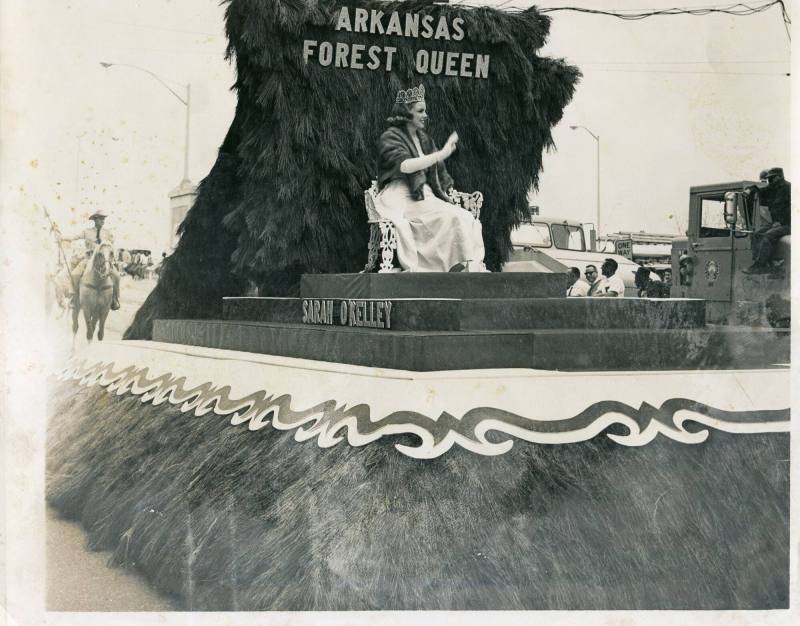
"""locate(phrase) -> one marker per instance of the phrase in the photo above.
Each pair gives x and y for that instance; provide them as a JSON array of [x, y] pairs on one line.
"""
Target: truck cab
[[708, 263]]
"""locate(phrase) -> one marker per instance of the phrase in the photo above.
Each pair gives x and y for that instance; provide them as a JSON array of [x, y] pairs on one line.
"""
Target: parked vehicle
[[708, 262], [555, 244]]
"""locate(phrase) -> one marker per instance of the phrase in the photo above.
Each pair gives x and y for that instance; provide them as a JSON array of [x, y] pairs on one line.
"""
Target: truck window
[[712, 219], [535, 234], [568, 237]]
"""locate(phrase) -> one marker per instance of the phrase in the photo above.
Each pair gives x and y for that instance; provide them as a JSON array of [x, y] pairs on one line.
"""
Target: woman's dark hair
[[401, 114]]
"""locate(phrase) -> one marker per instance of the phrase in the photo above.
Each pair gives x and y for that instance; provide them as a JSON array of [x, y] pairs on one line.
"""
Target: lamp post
[[187, 102], [597, 139]]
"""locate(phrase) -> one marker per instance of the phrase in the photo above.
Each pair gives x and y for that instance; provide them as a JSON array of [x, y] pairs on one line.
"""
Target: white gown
[[432, 235]]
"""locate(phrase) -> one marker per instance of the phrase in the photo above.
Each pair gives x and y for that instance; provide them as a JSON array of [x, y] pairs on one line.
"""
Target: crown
[[415, 94]]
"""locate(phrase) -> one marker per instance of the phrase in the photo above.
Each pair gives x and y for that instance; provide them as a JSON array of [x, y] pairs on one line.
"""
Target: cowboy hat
[[99, 213]]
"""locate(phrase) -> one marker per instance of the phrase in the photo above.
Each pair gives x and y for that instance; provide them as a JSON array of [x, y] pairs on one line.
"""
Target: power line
[[709, 62], [692, 72], [642, 10], [737, 9]]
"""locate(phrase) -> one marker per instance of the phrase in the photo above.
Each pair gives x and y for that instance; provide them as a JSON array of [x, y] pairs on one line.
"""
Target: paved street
[[79, 579]]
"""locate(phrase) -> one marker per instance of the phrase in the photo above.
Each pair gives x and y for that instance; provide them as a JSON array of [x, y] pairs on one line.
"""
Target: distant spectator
[[668, 278], [160, 265], [592, 279], [578, 288], [611, 286], [649, 288], [685, 269]]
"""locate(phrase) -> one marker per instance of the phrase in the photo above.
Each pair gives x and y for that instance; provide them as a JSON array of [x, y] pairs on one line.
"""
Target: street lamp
[[187, 101], [597, 139]]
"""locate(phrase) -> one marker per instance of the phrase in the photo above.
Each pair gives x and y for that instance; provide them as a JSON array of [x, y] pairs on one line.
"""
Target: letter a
[[343, 23]]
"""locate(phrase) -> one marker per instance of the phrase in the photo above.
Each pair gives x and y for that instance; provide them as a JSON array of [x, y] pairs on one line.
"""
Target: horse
[[58, 291], [95, 291]]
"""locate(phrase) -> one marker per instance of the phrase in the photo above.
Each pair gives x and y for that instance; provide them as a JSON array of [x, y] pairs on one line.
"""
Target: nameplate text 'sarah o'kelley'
[[366, 313]]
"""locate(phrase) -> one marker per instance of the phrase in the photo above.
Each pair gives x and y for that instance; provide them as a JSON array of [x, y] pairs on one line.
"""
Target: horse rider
[[92, 238]]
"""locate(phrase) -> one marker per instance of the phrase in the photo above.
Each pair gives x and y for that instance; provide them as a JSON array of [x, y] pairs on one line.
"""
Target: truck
[[708, 262], [554, 244]]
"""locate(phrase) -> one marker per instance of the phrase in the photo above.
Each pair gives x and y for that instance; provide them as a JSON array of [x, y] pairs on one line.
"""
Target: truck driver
[[777, 195]]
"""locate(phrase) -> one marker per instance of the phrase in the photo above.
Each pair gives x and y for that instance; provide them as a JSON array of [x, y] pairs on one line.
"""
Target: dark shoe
[[115, 303], [458, 267], [756, 269]]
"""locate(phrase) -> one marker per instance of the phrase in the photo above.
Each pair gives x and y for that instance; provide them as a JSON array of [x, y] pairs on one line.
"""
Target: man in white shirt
[[611, 286], [578, 288], [592, 279]]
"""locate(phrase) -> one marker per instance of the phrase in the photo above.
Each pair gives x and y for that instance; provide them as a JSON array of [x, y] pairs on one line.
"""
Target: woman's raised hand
[[450, 145]]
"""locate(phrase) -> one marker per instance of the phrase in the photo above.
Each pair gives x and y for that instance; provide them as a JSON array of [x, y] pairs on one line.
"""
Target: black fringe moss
[[286, 194], [228, 519]]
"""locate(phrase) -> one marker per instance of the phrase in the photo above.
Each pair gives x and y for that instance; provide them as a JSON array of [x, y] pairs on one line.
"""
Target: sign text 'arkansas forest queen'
[[358, 56]]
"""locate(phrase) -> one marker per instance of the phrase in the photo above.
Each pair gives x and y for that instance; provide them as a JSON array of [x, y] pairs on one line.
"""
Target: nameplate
[[358, 313]]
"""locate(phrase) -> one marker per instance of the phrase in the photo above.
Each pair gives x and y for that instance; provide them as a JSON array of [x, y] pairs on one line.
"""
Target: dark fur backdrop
[[286, 193], [224, 518]]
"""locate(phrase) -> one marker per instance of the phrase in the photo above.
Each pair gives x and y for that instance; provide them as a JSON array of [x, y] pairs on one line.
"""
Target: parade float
[[387, 440]]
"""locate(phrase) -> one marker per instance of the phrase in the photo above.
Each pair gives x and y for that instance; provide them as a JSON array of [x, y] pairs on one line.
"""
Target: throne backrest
[[369, 202]]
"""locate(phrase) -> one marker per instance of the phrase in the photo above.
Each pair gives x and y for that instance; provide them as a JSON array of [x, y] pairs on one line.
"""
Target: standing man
[[592, 278], [777, 195], [578, 288], [611, 286], [93, 237]]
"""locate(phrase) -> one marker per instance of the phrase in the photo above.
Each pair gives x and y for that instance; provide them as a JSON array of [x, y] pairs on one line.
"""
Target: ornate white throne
[[382, 235]]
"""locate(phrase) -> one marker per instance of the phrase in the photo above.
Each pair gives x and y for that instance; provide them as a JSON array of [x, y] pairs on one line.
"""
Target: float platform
[[428, 447], [477, 321]]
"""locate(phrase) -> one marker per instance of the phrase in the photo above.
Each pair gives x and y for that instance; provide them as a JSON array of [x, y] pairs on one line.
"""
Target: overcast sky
[[676, 101]]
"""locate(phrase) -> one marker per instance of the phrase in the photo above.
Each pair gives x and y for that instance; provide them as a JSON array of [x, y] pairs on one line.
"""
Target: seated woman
[[433, 235]]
